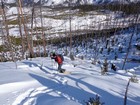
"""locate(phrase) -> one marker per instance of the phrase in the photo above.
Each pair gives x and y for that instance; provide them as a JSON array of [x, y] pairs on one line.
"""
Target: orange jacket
[[57, 59]]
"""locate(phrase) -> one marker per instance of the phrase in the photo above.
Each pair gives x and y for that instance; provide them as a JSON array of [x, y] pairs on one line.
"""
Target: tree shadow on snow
[[44, 68], [66, 91], [79, 93], [105, 96]]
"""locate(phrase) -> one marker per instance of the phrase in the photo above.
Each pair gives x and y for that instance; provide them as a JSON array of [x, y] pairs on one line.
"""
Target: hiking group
[[59, 59]]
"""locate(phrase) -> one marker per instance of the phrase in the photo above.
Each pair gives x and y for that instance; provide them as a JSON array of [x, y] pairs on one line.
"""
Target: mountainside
[[71, 2], [37, 81], [60, 23]]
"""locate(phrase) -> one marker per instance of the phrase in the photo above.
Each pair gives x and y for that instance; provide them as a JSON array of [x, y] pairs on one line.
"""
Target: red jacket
[[57, 59]]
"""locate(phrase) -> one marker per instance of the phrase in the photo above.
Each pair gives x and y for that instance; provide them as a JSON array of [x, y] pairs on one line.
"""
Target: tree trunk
[[28, 42], [7, 31], [43, 34], [125, 97], [129, 46], [20, 31]]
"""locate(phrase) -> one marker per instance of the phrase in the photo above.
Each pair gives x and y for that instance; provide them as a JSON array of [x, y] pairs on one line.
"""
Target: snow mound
[[59, 101], [39, 97]]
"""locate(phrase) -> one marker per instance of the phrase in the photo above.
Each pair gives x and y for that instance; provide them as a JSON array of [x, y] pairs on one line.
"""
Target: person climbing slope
[[59, 59]]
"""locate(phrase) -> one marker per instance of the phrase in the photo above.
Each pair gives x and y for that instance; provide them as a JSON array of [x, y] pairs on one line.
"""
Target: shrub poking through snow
[[72, 56], [134, 79], [94, 101], [105, 67]]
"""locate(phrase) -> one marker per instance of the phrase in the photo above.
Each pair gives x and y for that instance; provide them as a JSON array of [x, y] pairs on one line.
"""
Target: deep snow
[[29, 84], [36, 81]]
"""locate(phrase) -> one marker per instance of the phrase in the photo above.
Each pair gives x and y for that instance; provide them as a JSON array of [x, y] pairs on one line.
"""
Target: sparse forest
[[104, 34], [34, 34]]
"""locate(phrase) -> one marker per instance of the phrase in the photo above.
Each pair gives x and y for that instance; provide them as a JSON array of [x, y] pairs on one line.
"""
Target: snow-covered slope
[[9, 1], [30, 85], [72, 2]]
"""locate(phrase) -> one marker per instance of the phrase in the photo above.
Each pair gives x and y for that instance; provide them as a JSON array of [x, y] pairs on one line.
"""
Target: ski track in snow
[[58, 83], [29, 97]]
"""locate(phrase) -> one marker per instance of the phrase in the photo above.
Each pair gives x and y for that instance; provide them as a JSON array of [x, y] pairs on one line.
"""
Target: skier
[[59, 59]]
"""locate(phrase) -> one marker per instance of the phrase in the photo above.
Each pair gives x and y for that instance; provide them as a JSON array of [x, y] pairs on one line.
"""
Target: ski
[[66, 72], [63, 71]]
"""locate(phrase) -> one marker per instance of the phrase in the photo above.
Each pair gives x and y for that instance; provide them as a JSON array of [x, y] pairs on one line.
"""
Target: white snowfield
[[37, 82], [29, 84], [59, 26]]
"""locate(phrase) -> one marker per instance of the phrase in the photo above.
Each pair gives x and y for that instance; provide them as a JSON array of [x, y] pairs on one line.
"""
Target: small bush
[[134, 79], [72, 56], [94, 101]]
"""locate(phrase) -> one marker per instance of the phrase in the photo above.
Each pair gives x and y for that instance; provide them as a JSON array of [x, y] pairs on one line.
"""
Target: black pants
[[59, 67]]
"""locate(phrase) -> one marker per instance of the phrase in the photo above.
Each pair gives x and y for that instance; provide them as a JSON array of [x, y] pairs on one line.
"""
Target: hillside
[[59, 24], [100, 43], [37, 82]]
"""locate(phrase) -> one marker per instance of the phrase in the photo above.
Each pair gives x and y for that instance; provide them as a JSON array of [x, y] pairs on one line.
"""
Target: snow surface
[[98, 21], [36, 82]]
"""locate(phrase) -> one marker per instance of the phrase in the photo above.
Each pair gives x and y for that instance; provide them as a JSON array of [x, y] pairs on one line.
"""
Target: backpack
[[61, 56]]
